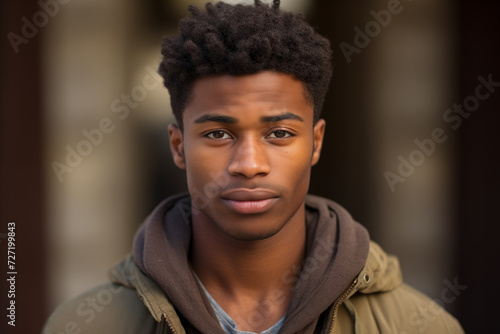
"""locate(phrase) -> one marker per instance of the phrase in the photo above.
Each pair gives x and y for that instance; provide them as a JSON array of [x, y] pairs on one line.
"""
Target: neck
[[256, 268]]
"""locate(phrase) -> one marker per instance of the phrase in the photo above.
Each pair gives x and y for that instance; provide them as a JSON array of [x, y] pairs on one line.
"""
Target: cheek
[[294, 163], [299, 155], [201, 167]]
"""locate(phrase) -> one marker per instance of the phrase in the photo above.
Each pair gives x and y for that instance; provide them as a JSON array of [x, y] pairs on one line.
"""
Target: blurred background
[[77, 195]]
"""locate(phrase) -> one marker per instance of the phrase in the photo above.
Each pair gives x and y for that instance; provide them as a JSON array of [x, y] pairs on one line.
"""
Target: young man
[[248, 251]]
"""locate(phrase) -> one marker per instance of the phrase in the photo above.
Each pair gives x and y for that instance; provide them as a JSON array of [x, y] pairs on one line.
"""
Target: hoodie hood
[[336, 251]]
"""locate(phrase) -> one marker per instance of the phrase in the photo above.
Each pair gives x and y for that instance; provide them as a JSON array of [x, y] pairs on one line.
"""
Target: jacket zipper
[[166, 320], [340, 301]]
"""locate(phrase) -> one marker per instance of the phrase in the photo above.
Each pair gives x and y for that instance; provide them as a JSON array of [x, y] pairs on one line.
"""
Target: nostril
[[249, 159]]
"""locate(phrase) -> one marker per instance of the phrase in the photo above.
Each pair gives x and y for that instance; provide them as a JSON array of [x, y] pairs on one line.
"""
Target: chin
[[251, 231], [250, 235]]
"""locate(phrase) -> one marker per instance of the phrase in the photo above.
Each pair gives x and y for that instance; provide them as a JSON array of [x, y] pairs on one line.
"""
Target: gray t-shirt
[[228, 324]]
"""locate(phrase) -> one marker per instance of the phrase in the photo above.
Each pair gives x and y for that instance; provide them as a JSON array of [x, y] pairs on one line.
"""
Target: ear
[[176, 145], [319, 132]]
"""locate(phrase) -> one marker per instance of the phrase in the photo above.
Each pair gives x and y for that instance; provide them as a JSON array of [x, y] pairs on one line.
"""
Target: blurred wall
[[92, 182], [394, 78]]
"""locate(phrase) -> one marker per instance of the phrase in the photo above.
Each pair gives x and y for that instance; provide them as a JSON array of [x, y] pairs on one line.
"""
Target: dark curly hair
[[239, 40]]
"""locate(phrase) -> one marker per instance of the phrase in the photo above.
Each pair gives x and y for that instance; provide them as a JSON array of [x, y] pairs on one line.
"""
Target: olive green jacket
[[376, 302]]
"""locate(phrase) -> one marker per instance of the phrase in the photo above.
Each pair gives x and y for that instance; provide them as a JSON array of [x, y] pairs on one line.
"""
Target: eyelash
[[288, 134], [215, 131]]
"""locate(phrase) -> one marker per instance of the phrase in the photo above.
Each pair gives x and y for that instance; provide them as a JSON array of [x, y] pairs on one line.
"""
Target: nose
[[249, 159]]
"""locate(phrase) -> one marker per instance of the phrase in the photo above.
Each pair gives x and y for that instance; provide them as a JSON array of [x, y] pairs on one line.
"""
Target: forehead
[[267, 89]]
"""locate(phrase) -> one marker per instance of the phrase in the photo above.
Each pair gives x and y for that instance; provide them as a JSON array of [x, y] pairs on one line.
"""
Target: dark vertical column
[[479, 165], [21, 171], [344, 172]]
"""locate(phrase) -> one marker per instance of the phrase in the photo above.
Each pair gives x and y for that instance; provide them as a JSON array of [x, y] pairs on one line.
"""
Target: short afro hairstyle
[[244, 39]]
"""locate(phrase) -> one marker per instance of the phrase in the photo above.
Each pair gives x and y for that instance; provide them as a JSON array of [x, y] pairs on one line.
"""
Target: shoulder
[[403, 309], [108, 308], [384, 302]]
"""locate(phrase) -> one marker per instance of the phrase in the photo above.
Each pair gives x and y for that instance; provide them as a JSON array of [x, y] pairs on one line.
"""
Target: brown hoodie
[[337, 248], [341, 289]]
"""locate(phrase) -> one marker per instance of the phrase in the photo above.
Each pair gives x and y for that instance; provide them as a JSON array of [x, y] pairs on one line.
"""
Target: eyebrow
[[216, 118], [232, 120], [277, 118]]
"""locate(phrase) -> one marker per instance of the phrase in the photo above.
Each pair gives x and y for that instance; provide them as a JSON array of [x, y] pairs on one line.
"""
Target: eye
[[218, 134], [280, 134]]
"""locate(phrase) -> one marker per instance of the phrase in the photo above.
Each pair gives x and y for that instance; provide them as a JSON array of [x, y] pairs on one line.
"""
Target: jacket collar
[[380, 273], [377, 272]]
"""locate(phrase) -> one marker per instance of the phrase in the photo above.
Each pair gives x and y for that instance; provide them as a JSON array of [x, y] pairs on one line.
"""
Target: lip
[[249, 201]]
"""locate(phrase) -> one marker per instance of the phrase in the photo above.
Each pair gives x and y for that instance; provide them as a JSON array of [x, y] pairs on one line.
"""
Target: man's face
[[248, 146]]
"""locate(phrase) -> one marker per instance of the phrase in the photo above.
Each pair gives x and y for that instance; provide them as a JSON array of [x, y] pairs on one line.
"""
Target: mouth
[[249, 201]]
